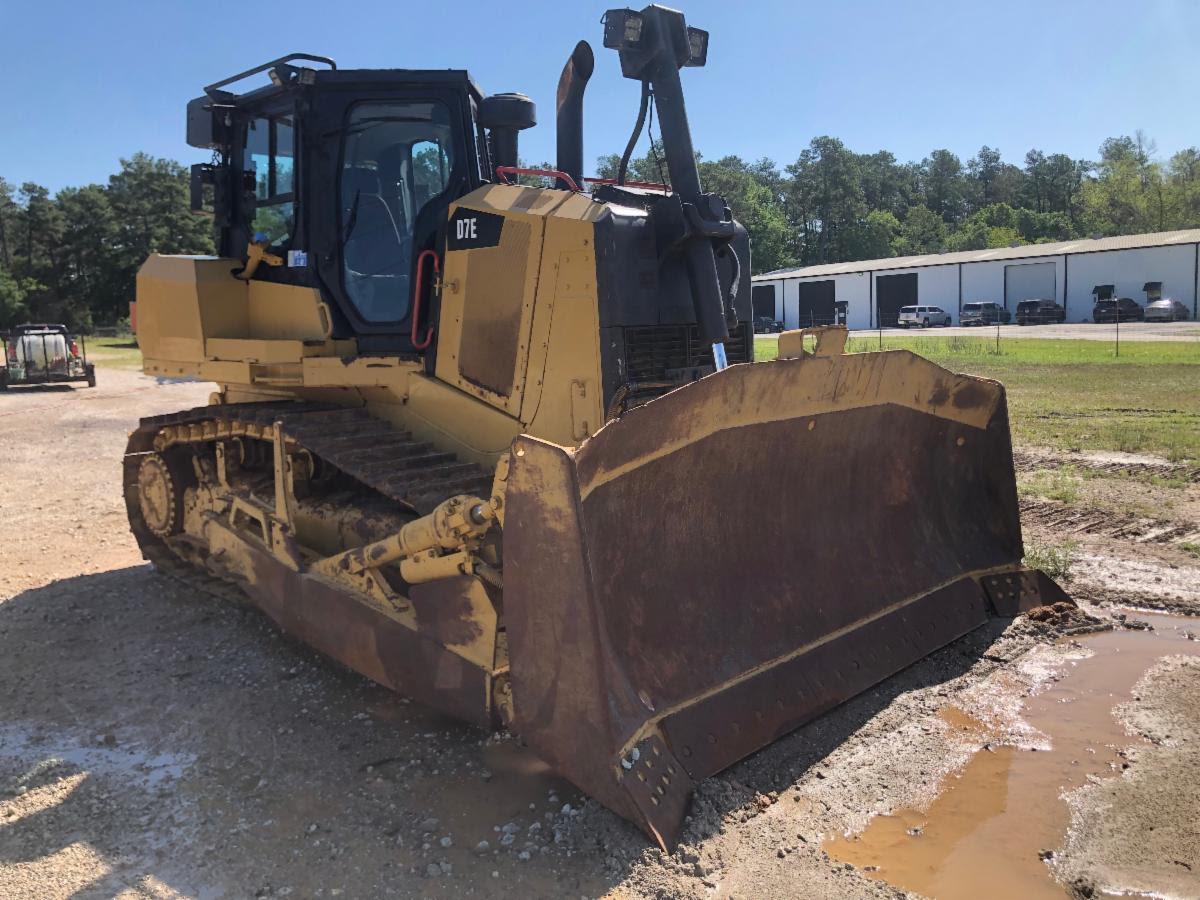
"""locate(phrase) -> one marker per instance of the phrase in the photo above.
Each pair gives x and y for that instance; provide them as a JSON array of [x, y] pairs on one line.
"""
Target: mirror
[[203, 176]]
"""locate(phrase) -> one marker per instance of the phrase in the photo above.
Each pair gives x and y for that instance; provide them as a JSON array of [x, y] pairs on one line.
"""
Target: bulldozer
[[504, 447]]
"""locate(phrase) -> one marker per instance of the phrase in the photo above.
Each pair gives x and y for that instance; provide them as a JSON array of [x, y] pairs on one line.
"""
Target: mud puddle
[[989, 831]]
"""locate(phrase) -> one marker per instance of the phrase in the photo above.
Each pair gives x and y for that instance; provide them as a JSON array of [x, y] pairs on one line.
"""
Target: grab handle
[[416, 310]]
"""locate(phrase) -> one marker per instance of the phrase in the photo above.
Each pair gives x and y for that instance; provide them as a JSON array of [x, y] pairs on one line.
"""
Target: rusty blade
[[735, 558]]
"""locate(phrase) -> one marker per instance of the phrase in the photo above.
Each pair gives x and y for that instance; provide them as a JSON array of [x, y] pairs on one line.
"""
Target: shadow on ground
[[161, 733], [16, 390]]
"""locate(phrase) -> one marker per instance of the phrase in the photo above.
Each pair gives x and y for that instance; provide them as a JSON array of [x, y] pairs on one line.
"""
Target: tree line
[[72, 257], [835, 205]]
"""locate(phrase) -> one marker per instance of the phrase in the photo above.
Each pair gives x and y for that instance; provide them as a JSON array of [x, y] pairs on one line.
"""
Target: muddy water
[[983, 835]]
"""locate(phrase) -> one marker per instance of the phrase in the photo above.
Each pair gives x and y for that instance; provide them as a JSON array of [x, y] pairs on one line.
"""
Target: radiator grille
[[653, 351]]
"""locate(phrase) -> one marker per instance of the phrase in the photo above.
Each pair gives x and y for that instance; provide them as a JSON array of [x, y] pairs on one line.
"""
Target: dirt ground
[[1119, 841], [155, 742]]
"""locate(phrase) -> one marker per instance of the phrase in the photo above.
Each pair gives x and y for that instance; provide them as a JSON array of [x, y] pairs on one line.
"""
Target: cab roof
[[284, 75]]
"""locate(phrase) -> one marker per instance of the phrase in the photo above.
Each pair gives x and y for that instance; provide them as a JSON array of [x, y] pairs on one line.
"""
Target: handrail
[[416, 310], [267, 65], [503, 171], [646, 185]]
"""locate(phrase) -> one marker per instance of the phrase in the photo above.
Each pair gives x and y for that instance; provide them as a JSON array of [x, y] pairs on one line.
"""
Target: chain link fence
[[1108, 340]]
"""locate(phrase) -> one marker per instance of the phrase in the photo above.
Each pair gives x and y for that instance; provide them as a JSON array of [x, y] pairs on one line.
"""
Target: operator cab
[[345, 176], [341, 181]]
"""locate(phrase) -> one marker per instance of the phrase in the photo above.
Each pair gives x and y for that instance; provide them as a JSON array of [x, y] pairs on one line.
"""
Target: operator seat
[[375, 248], [392, 179]]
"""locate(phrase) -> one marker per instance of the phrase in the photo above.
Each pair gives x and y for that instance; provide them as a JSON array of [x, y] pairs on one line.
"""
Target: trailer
[[44, 354]]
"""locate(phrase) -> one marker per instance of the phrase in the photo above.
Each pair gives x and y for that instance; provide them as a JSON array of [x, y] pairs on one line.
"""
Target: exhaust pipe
[[569, 106]]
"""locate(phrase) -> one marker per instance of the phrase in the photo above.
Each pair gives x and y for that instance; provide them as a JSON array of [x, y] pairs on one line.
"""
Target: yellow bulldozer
[[505, 448]]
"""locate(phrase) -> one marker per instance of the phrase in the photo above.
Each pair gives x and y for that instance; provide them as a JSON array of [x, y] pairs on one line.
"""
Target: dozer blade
[[739, 556]]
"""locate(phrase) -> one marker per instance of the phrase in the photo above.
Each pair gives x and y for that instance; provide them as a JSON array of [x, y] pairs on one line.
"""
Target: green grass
[[1168, 482], [1055, 561], [1190, 548], [1069, 485], [1012, 351], [117, 353], [1054, 484], [1065, 482], [1076, 394], [1064, 394]]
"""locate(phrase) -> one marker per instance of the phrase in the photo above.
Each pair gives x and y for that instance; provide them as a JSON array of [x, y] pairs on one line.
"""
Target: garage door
[[764, 300], [891, 293], [1031, 281], [816, 303]]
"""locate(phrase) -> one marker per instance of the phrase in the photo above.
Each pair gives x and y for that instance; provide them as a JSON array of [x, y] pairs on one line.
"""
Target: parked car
[[767, 325], [1166, 310], [1125, 309], [1039, 312], [923, 316], [984, 312], [43, 354]]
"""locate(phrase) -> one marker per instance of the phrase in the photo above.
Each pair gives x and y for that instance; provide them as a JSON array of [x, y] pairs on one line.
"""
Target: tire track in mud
[[1026, 461], [1119, 573], [1073, 520]]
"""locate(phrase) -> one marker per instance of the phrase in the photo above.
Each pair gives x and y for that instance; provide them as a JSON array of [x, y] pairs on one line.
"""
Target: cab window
[[269, 171], [397, 157]]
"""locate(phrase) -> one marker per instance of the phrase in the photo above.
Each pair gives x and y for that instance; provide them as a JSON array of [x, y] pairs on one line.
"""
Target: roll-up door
[[764, 300], [891, 293], [1029, 281], [816, 303]]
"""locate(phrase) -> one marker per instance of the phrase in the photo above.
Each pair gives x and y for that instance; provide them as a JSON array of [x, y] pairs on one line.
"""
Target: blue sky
[[89, 83]]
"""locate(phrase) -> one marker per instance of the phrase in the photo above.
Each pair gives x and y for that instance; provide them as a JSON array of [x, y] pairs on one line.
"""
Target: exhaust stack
[[569, 107]]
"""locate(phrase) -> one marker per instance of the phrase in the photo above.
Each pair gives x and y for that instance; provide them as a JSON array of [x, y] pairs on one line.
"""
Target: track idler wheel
[[160, 495]]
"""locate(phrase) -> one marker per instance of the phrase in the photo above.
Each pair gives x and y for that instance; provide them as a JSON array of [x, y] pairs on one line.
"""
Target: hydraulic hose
[[731, 306], [623, 168]]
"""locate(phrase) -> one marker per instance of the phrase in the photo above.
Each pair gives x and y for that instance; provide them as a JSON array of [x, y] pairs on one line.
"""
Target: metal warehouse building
[[869, 294]]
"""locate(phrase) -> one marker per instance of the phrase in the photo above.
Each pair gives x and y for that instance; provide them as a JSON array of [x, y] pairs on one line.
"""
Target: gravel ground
[[155, 742]]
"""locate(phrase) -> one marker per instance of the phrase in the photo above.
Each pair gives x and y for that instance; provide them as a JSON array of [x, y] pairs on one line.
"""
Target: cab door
[[387, 161]]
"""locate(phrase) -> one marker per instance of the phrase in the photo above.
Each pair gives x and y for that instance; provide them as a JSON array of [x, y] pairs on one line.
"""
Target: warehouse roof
[[1026, 251]]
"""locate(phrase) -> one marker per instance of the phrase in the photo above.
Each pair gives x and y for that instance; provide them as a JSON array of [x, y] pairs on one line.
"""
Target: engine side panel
[[518, 325]]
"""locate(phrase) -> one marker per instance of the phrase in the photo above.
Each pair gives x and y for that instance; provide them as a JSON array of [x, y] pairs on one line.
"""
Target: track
[[377, 455]]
